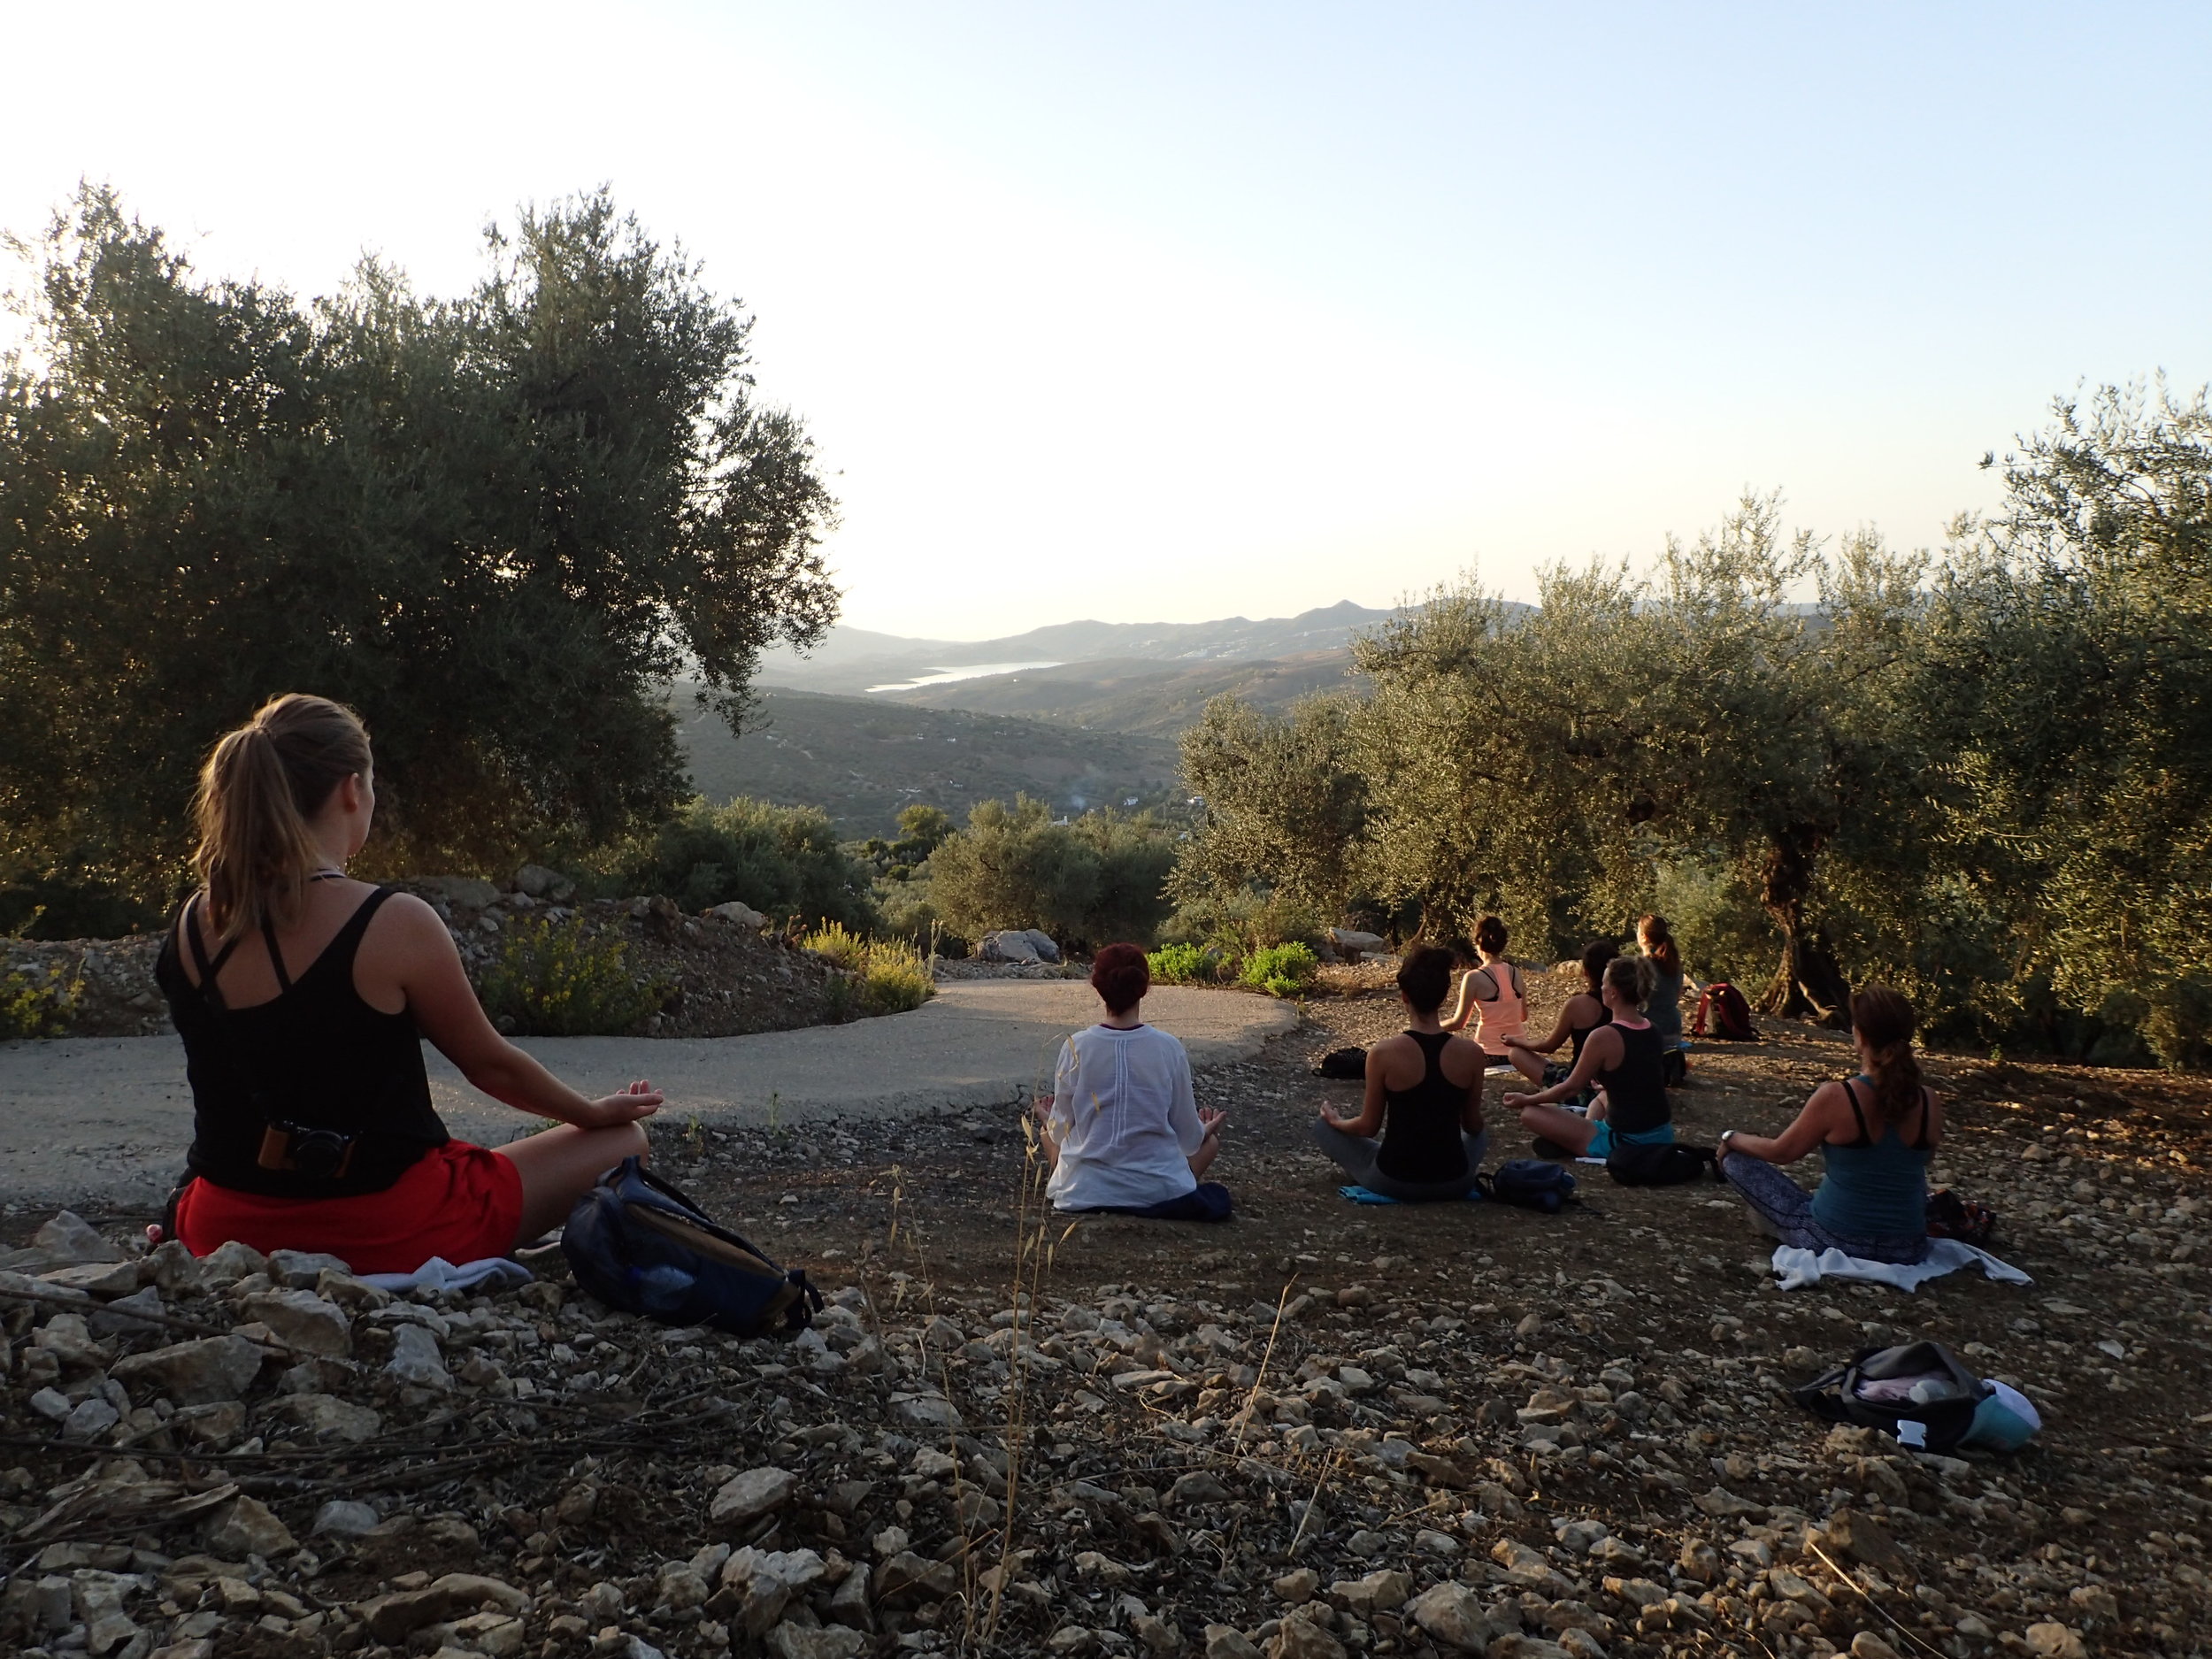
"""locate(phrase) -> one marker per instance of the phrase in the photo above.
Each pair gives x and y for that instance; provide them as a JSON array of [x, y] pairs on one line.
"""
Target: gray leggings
[[1356, 1154]]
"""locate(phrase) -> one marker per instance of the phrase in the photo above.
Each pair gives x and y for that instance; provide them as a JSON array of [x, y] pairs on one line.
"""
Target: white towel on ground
[[437, 1273], [1798, 1268]]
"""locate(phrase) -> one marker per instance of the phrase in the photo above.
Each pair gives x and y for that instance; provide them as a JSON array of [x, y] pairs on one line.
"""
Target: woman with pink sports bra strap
[[1490, 994]]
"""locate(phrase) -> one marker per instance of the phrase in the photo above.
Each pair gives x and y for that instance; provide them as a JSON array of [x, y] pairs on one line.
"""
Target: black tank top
[[1420, 1141], [1636, 1089], [1577, 1038], [316, 1055]]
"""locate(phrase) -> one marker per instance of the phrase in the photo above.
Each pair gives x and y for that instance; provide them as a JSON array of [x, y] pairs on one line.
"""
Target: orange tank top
[[1504, 1015]]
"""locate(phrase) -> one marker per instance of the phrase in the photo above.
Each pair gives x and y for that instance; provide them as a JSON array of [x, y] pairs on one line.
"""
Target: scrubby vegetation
[[35, 1004], [785, 862], [1089, 881], [879, 976], [562, 979]]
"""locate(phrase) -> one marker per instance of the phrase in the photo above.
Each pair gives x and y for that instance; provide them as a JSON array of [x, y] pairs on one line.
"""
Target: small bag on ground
[[1951, 1216], [1729, 1015], [1919, 1395], [639, 1246], [1529, 1184], [1343, 1065], [1671, 1165]]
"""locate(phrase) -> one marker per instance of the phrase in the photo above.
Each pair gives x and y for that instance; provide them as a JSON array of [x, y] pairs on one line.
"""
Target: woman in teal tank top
[[1878, 1130]]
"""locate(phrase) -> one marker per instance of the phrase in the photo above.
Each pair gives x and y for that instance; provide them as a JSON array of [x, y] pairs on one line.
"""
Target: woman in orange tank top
[[1490, 995]]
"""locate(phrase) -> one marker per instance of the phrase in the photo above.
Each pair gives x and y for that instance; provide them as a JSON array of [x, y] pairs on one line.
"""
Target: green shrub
[[1093, 881], [1279, 970], [874, 976], [562, 980], [782, 861], [1241, 923], [36, 1005], [1183, 964]]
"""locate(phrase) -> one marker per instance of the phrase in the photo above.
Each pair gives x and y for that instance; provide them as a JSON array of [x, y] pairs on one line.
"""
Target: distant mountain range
[[858, 660]]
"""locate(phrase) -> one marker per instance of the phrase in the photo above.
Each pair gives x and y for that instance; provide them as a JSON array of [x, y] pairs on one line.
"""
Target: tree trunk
[[1807, 983]]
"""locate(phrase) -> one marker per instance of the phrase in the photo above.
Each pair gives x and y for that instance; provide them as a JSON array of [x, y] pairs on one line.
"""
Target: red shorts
[[458, 1201]]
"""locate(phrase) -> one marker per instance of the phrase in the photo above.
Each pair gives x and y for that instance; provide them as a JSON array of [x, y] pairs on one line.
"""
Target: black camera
[[321, 1155]]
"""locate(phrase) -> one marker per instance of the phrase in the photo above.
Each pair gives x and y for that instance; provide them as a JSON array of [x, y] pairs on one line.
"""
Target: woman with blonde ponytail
[[303, 997], [1878, 1130]]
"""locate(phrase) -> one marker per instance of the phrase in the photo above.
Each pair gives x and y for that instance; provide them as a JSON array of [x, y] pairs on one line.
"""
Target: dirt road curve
[[104, 1121]]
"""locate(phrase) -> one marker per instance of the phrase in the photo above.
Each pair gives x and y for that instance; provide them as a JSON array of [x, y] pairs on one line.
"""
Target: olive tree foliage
[[2070, 670], [1285, 803], [1544, 764], [1095, 881], [495, 524]]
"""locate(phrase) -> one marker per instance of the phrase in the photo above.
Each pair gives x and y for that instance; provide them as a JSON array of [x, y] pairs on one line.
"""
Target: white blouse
[[1125, 1119]]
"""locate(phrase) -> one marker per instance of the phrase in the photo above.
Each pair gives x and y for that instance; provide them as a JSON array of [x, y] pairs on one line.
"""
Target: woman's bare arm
[[1600, 1051], [1813, 1126], [1463, 1008], [412, 945], [1370, 1110]]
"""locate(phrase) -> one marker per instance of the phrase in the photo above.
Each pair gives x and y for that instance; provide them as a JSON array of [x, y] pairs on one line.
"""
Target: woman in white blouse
[[1122, 1129]]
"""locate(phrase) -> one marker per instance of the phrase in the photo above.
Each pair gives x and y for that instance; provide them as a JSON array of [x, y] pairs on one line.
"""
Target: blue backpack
[[639, 1246], [1530, 1183]]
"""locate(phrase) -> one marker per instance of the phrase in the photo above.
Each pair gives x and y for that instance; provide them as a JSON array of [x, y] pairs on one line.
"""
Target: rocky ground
[[1318, 1430]]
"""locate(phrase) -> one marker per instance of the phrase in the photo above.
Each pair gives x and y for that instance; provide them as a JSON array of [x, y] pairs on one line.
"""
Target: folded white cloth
[[1798, 1268], [437, 1273]]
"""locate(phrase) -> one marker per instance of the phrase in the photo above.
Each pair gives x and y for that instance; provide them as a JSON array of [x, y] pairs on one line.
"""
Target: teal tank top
[[1876, 1189]]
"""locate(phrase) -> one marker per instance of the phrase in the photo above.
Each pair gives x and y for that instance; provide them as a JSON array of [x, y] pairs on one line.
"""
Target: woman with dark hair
[[1622, 1057], [1121, 1128], [1878, 1132], [1490, 994], [1663, 1007], [1424, 1099], [303, 997], [1585, 1012]]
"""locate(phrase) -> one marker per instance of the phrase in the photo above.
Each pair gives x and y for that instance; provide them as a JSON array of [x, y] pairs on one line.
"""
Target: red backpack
[[1731, 1014]]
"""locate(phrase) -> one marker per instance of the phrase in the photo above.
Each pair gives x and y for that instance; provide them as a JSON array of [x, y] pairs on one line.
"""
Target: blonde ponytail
[[258, 791]]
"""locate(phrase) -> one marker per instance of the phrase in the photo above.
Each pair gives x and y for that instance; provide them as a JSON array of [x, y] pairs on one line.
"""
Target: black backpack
[[1835, 1394], [1343, 1065], [1670, 1165], [639, 1246], [1529, 1184]]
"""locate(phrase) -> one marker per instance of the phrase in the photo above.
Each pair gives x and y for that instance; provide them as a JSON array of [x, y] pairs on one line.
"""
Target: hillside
[[856, 660], [1127, 695], [862, 758]]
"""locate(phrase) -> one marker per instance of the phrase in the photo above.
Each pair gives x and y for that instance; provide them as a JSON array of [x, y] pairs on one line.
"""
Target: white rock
[[743, 915], [299, 1270], [416, 1359], [51, 1404], [749, 1496], [201, 1372], [245, 1527], [300, 1319], [91, 1418], [69, 1237], [827, 1641], [343, 1518]]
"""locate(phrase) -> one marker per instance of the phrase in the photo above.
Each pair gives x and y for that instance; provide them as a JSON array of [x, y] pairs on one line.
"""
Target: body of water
[[946, 676]]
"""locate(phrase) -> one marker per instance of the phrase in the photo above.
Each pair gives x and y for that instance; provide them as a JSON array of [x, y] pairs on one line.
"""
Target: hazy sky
[[1173, 312]]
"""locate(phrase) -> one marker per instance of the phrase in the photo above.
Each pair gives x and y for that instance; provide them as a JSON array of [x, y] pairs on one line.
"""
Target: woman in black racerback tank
[[1624, 1059], [303, 998], [1424, 1094], [1584, 1013]]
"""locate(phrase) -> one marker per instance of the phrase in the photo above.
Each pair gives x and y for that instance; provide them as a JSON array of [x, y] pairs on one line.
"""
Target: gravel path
[[104, 1121]]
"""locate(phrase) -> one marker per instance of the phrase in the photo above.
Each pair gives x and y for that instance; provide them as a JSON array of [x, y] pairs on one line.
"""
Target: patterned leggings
[[1785, 1209]]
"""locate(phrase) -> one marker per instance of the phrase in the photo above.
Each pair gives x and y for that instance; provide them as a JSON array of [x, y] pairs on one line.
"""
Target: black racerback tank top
[[1420, 1141], [316, 1055], [1636, 1089]]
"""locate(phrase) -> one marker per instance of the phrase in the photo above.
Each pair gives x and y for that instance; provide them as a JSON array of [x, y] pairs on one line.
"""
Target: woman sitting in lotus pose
[[303, 997], [1423, 1098], [1876, 1131], [1491, 995], [1121, 1128], [1584, 1013], [1622, 1057]]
